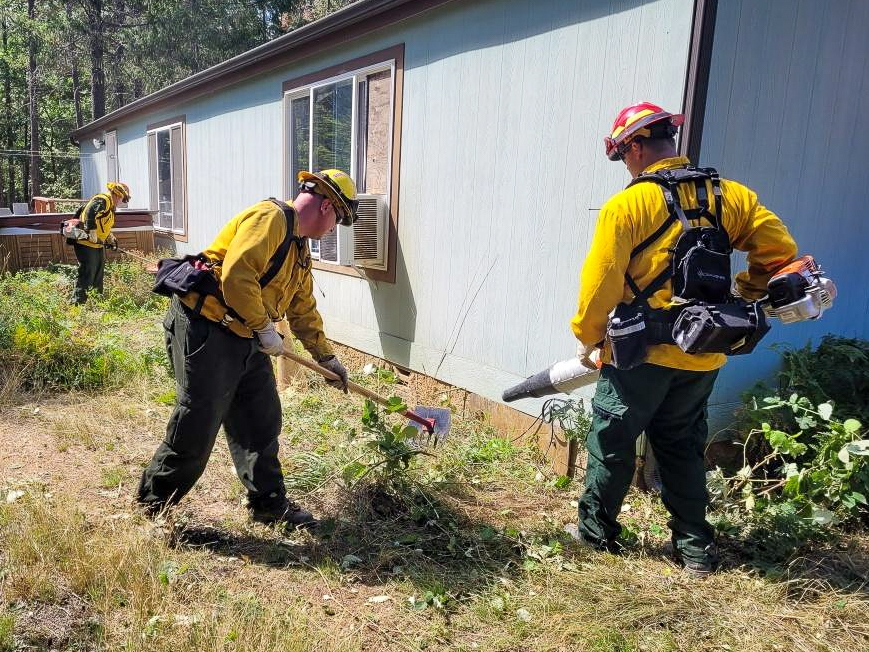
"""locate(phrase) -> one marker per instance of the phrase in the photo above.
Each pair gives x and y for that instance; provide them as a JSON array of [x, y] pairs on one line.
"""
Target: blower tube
[[561, 378]]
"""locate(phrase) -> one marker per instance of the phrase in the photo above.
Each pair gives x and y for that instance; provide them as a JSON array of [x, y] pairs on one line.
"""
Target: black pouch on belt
[[179, 276], [729, 328], [626, 332]]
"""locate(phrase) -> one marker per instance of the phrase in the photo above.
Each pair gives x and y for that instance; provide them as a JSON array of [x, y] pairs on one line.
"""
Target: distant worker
[[219, 343], [92, 234], [661, 252]]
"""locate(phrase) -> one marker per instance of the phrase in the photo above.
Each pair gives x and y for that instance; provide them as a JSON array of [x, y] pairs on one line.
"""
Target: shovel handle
[[353, 387]]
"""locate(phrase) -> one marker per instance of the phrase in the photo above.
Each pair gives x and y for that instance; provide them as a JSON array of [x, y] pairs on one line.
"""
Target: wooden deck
[[28, 241]]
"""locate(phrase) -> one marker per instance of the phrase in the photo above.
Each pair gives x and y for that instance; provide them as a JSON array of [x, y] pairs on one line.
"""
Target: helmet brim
[[612, 145], [345, 209]]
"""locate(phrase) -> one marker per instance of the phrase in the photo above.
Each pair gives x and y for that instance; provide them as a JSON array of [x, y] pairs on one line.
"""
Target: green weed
[[48, 344], [7, 631]]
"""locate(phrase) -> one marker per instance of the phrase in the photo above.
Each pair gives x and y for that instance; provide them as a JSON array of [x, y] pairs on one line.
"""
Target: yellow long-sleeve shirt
[[244, 248], [631, 216], [98, 217]]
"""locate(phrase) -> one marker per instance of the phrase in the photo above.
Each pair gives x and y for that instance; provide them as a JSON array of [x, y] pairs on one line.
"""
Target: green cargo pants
[[91, 266], [670, 405], [220, 379]]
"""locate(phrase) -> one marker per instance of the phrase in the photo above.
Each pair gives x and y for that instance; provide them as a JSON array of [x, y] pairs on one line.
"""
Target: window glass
[[333, 124], [164, 179], [300, 113], [327, 130], [375, 132]]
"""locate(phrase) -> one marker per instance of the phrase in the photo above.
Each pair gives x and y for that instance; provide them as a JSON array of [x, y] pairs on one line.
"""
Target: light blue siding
[[94, 170], [502, 171], [785, 115]]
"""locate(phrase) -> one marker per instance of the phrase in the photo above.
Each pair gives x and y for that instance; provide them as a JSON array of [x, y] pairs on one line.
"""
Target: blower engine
[[798, 291]]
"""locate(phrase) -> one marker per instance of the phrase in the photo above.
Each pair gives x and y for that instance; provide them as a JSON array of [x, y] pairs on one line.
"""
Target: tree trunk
[[76, 79], [119, 94], [5, 198], [32, 97], [96, 30]]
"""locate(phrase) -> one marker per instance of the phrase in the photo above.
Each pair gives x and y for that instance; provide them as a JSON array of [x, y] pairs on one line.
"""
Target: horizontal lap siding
[[502, 172]]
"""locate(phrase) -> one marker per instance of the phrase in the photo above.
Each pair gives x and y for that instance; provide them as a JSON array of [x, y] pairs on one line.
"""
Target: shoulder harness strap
[[669, 181], [280, 256]]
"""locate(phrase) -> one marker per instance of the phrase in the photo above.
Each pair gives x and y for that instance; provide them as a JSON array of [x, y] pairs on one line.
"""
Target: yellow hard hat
[[120, 188], [336, 186]]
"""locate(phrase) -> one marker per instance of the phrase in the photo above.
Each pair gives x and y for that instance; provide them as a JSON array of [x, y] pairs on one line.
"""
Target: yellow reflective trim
[[638, 116]]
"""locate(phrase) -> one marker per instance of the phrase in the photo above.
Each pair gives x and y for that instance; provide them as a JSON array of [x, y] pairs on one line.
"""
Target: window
[[166, 177], [347, 121]]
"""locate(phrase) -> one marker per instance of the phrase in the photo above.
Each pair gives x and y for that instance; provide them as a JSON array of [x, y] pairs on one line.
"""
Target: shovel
[[435, 421]]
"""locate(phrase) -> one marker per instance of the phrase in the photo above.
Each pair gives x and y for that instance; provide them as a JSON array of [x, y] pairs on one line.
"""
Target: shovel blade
[[440, 418]]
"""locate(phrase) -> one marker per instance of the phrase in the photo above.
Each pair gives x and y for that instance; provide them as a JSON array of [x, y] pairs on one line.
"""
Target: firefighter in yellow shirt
[[219, 347], [637, 278], [97, 220]]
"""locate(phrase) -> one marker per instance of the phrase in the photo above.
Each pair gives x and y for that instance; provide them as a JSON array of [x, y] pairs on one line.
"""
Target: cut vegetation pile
[[458, 548]]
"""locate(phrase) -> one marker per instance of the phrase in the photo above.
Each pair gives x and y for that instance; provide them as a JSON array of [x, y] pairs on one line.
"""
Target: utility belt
[[213, 309], [732, 328], [192, 280]]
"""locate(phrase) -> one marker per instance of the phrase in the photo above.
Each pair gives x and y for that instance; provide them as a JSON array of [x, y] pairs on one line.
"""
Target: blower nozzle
[[561, 378]]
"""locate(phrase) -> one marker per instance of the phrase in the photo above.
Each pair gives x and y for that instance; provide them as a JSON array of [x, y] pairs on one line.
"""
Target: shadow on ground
[[375, 535]]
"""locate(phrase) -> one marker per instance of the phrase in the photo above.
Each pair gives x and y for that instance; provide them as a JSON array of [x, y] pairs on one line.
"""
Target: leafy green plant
[[46, 343], [821, 469], [836, 371], [7, 629], [570, 415], [389, 448]]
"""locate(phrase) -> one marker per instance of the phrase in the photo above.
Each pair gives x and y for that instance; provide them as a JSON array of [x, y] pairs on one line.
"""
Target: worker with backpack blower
[[656, 303], [90, 232]]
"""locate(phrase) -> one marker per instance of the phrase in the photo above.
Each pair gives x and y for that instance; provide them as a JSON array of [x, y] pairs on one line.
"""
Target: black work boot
[[697, 568], [611, 547], [279, 510]]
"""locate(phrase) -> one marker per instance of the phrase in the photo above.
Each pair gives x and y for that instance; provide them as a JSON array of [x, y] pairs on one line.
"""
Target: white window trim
[[155, 131]]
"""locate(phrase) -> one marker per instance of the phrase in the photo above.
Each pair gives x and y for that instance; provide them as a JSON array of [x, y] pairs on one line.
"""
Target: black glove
[[112, 242], [334, 365]]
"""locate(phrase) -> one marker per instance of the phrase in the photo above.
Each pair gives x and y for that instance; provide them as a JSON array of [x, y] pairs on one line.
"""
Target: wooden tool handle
[[353, 387]]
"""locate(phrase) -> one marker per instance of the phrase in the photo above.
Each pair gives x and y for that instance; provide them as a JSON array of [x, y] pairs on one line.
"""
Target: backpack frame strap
[[280, 255], [669, 181]]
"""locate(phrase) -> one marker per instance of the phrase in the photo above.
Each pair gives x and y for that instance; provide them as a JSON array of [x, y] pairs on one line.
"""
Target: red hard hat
[[636, 120]]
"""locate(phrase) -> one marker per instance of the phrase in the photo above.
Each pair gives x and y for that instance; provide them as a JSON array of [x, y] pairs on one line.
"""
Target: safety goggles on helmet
[[338, 187], [119, 188], [640, 120]]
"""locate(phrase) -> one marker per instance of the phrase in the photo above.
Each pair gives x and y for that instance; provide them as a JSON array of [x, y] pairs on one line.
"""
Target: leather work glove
[[334, 365], [270, 341], [112, 242], [589, 357]]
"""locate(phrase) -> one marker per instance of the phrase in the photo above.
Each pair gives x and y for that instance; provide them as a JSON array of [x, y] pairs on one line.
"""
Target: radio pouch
[[627, 335]]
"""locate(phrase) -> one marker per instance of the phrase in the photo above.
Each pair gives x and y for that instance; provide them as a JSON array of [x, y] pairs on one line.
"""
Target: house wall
[[502, 172], [93, 168], [788, 83]]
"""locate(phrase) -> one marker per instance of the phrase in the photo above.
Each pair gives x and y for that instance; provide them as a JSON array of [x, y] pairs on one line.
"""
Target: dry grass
[[470, 557]]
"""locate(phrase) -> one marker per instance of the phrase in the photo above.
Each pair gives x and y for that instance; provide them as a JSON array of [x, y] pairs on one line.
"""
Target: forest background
[[64, 63]]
